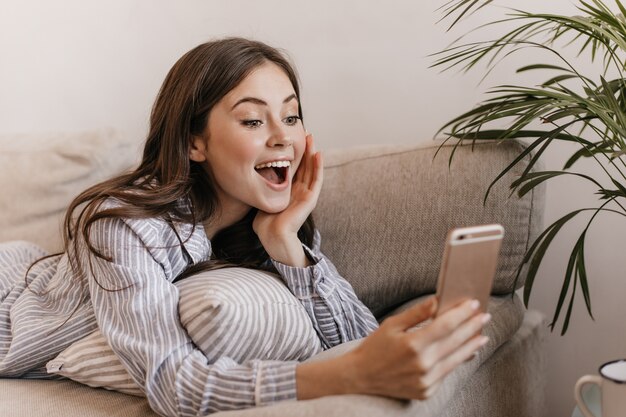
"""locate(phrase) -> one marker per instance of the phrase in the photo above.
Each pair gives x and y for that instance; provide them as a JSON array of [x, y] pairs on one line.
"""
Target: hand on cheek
[[278, 231]]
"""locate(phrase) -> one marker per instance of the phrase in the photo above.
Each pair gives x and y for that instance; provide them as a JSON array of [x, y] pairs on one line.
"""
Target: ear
[[197, 150]]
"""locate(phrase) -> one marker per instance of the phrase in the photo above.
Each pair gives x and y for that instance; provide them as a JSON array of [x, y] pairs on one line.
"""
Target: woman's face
[[255, 123]]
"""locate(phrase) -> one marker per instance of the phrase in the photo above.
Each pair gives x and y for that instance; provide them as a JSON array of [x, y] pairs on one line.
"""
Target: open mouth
[[276, 172]]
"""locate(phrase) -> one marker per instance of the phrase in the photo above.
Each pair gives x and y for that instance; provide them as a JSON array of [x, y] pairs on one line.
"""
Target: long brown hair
[[166, 176]]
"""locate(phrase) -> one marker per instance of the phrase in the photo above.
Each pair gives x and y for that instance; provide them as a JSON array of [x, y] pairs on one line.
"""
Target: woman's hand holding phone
[[396, 362]]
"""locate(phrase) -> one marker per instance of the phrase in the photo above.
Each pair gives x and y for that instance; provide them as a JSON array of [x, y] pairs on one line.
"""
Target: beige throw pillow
[[91, 361], [41, 173], [235, 312]]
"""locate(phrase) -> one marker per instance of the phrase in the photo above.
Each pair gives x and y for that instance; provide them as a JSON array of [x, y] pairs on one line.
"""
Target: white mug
[[612, 383]]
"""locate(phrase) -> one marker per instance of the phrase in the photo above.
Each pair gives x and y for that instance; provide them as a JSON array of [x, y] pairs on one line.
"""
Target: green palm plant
[[569, 106]]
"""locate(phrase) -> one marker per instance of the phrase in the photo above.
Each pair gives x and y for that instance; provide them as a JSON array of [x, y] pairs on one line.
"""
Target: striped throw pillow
[[246, 314], [235, 312]]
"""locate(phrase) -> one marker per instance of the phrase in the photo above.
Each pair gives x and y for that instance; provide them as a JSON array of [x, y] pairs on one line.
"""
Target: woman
[[228, 177]]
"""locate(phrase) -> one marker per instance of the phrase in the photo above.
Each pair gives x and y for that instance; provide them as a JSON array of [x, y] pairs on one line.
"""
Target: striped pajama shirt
[[137, 312]]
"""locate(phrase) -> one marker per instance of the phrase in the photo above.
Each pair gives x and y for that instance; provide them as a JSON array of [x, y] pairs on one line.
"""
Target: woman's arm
[[137, 311], [338, 315], [398, 360]]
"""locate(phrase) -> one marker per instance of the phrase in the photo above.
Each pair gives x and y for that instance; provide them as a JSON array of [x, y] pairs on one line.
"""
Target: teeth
[[273, 164]]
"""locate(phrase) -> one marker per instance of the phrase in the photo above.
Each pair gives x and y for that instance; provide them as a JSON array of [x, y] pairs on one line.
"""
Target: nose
[[281, 140], [278, 137]]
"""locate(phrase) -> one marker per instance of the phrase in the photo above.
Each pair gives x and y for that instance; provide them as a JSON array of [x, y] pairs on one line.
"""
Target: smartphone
[[468, 266]]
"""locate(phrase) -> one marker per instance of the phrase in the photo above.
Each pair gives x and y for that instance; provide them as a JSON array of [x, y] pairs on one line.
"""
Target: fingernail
[[474, 304], [485, 318], [483, 340]]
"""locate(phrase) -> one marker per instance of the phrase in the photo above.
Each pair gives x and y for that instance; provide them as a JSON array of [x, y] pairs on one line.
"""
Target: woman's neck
[[223, 218]]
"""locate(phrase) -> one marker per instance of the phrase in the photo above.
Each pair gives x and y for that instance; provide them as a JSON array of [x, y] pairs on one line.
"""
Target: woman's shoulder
[[157, 231], [116, 214]]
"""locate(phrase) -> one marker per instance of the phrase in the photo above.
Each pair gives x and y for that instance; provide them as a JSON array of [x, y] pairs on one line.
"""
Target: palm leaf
[[531, 180], [461, 8], [568, 101], [538, 250]]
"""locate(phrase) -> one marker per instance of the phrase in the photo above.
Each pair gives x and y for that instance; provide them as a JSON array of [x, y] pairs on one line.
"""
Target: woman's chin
[[274, 207]]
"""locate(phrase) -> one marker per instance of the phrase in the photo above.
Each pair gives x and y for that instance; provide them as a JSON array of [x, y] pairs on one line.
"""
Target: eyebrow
[[259, 101]]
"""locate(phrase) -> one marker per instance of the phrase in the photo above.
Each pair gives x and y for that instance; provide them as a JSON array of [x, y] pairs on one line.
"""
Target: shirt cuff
[[276, 381], [305, 282]]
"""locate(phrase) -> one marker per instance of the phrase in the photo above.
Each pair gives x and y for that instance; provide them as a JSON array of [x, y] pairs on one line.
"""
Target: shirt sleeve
[[136, 308], [337, 314]]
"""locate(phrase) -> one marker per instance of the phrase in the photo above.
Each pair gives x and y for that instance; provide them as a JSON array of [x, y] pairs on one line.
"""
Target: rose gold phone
[[469, 265]]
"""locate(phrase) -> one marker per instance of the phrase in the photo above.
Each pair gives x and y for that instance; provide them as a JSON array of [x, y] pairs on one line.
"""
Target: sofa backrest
[[383, 214], [385, 211]]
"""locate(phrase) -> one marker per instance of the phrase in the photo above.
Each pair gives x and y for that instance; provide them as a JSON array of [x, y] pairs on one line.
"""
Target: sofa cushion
[[233, 312], [42, 173], [35, 398], [384, 213]]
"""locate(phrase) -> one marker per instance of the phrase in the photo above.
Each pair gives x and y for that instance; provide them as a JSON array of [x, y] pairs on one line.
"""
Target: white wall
[[77, 64]]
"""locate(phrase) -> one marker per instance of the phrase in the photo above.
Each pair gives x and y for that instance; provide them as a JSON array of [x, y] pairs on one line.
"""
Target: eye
[[251, 123], [291, 120]]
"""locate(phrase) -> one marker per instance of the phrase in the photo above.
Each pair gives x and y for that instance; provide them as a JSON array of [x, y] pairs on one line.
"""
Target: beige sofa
[[383, 214]]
